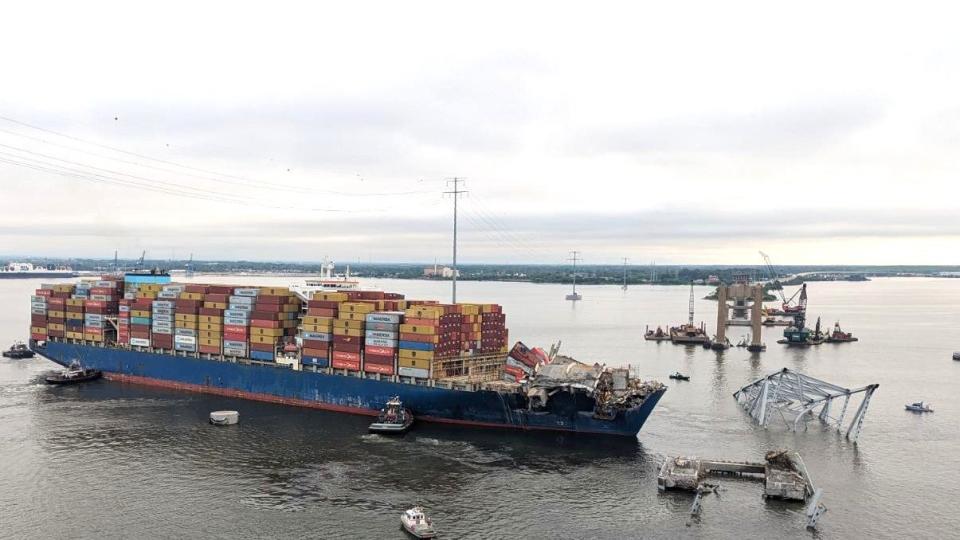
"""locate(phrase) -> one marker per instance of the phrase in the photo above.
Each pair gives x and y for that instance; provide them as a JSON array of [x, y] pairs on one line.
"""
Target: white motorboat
[[415, 522], [919, 407]]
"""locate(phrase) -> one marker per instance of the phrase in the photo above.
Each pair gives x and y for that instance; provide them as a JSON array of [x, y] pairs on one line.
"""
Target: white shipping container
[[246, 292], [139, 342], [186, 340], [414, 372]]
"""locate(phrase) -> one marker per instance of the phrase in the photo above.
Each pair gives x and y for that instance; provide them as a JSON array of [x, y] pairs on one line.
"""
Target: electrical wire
[[256, 184]]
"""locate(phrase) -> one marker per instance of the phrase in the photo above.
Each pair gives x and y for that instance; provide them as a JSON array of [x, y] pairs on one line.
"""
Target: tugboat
[[839, 336], [393, 419], [18, 351], [919, 407], [679, 376], [76, 374], [956, 355], [415, 522]]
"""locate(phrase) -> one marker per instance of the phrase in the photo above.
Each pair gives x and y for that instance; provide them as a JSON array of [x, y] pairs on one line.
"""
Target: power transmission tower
[[455, 192]]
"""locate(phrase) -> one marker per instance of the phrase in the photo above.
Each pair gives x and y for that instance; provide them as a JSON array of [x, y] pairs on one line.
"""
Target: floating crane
[[774, 280]]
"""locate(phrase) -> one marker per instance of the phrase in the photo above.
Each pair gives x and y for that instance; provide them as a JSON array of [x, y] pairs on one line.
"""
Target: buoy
[[224, 418]]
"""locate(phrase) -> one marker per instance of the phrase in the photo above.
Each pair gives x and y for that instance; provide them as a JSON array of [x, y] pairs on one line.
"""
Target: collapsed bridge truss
[[795, 397]]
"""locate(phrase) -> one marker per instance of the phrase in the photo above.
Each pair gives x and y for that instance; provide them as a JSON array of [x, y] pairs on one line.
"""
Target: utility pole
[[574, 256], [456, 192], [625, 259]]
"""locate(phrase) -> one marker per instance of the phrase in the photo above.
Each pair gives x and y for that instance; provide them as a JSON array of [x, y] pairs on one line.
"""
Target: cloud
[[795, 129]]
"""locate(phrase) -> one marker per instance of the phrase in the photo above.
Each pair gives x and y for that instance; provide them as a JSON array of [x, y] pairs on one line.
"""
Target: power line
[[256, 184]]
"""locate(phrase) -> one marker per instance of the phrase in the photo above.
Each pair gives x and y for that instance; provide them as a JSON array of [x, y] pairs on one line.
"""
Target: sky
[[675, 132]]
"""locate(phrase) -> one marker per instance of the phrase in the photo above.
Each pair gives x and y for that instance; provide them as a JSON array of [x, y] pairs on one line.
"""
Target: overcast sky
[[679, 132]]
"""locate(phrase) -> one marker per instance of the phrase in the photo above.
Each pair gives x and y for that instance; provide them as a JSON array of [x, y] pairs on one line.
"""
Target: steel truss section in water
[[795, 397]]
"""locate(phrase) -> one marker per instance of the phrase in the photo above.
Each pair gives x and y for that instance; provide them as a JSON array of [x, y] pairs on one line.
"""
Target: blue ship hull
[[342, 393]]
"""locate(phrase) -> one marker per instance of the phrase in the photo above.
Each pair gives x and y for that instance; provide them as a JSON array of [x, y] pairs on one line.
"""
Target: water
[[113, 461]]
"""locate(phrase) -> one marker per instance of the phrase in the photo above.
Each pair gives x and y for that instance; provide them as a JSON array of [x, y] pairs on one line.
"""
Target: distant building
[[713, 280], [439, 272]]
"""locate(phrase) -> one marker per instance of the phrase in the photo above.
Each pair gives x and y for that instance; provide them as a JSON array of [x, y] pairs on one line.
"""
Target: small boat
[[393, 418], [839, 336], [75, 374], [919, 407], [415, 522], [956, 355], [18, 351], [224, 418], [679, 376]]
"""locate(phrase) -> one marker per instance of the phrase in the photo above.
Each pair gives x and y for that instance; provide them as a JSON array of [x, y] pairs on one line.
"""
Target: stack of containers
[[103, 302], [161, 325], [56, 311], [272, 321], [123, 322], [141, 318], [381, 340], [73, 311], [419, 340], [38, 314], [186, 316], [316, 332], [210, 324], [348, 333], [493, 329], [470, 327], [236, 322]]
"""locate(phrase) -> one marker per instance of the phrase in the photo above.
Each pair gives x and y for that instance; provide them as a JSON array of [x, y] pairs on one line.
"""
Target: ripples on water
[[107, 460]]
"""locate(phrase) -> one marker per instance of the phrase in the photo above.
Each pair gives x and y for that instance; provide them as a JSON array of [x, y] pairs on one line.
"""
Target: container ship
[[341, 350], [22, 270]]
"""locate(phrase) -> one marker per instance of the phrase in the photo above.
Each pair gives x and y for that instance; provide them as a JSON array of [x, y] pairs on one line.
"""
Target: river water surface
[[107, 460]]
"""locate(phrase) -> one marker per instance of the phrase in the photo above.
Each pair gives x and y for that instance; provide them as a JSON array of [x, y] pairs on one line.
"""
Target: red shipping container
[[380, 351], [347, 347], [140, 335], [220, 289], [55, 333], [322, 312], [347, 339], [267, 347], [420, 338], [209, 349], [378, 359], [260, 323], [346, 356], [216, 297], [315, 344], [55, 302], [316, 353], [40, 320], [323, 304], [383, 369], [344, 364], [196, 288], [39, 337], [213, 312], [43, 292]]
